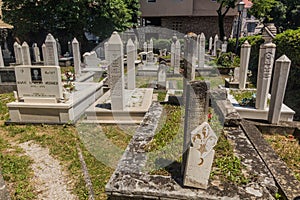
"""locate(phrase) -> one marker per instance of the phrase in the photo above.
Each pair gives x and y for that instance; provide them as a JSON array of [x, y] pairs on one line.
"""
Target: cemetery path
[[49, 179]]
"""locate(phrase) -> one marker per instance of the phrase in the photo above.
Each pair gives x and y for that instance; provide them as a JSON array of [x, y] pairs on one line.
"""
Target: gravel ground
[[50, 181]]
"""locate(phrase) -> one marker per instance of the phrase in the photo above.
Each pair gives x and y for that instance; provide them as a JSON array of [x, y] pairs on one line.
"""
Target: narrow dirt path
[[49, 179]]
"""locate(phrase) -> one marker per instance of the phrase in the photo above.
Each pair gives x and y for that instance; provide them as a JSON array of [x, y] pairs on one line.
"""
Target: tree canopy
[[224, 7], [284, 13], [69, 18]]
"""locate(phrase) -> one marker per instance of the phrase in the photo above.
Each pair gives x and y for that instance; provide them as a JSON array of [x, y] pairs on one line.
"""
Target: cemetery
[[149, 113]]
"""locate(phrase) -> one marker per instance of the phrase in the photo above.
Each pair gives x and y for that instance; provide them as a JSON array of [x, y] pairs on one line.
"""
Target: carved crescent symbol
[[201, 161]]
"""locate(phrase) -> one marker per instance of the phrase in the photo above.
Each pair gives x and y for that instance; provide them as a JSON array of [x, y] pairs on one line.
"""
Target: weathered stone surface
[[129, 181], [261, 180], [3, 191], [282, 174]]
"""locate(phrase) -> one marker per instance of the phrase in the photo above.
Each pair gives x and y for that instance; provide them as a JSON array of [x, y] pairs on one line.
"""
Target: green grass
[[63, 143], [161, 95], [288, 149], [4, 99], [16, 170]]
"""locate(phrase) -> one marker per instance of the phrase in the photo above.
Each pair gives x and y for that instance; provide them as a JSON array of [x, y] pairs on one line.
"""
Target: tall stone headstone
[[116, 72], [76, 56], [130, 65], [58, 47], [200, 157], [150, 46], [26, 54], [136, 44], [244, 62], [196, 110], [177, 54], [1, 58], [20, 54], [145, 47], [210, 43], [201, 50], [106, 50], [215, 45], [70, 48], [36, 52], [280, 77], [44, 53], [236, 74], [265, 66], [172, 54], [17, 58], [189, 68], [162, 76], [51, 57]]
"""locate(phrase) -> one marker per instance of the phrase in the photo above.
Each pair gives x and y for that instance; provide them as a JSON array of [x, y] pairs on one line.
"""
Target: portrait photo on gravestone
[[36, 75]]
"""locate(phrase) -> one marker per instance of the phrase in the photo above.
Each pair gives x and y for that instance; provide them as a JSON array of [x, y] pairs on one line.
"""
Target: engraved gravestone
[[177, 57], [236, 74], [200, 156], [17, 58], [51, 57], [36, 52], [201, 50], [39, 82], [116, 71], [1, 58], [150, 46], [76, 56], [162, 76], [26, 54], [130, 65]]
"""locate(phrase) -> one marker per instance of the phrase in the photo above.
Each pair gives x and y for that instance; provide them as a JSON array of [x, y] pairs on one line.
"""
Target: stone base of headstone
[[287, 114], [198, 176], [233, 84], [137, 101], [36, 111]]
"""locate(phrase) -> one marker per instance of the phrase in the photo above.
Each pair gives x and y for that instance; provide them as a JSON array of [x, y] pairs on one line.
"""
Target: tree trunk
[[221, 26]]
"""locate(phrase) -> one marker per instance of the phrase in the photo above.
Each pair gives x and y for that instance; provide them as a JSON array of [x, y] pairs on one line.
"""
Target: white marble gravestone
[[150, 46], [201, 50], [76, 56], [51, 57], [215, 45], [16, 53], [91, 60], [44, 53], [210, 44], [136, 44], [200, 157], [172, 54], [1, 58], [177, 57], [162, 76], [105, 51], [36, 52], [145, 47], [236, 74], [130, 65], [280, 78], [116, 72], [20, 54], [26, 54], [39, 84], [244, 62], [265, 67]]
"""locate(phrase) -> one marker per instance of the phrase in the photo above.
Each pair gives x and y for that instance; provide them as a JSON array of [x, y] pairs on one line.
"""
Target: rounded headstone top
[[115, 38], [25, 44], [16, 44], [202, 35], [50, 38]]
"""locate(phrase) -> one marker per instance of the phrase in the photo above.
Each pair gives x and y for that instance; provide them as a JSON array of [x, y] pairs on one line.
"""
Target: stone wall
[[208, 25]]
